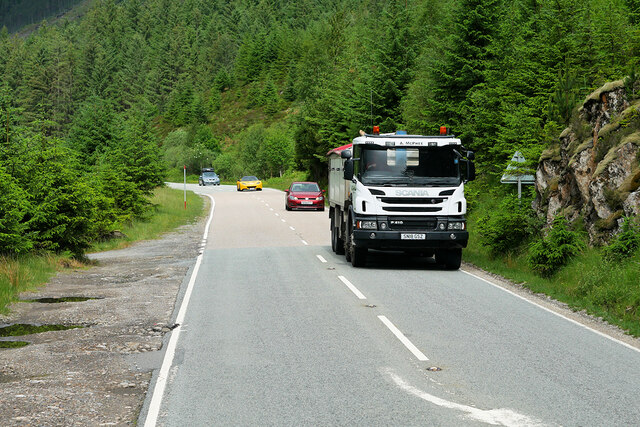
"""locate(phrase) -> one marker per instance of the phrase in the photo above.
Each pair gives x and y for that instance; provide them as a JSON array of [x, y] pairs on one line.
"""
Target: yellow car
[[248, 183]]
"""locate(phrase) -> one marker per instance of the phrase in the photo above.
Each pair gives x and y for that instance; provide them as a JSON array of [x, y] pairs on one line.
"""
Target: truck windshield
[[409, 166]]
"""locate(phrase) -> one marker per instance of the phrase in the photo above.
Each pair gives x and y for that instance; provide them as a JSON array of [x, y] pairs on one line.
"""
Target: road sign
[[514, 175]]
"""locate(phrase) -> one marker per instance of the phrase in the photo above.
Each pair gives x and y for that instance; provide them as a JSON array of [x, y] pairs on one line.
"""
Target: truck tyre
[[357, 255], [450, 258], [337, 245]]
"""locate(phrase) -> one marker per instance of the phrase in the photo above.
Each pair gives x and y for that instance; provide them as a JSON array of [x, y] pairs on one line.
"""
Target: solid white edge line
[[321, 258], [575, 322], [404, 340], [351, 287], [163, 374]]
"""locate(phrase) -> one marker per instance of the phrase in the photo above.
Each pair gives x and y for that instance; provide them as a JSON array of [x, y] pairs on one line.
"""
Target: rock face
[[593, 171]]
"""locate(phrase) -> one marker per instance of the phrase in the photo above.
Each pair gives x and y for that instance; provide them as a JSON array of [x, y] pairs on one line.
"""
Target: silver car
[[209, 178]]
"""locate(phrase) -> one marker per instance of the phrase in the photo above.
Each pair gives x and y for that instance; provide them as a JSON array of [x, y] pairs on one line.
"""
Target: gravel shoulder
[[98, 374]]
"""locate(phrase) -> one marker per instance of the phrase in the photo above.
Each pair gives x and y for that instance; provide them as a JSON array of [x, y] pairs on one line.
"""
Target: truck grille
[[412, 224], [412, 201], [410, 209]]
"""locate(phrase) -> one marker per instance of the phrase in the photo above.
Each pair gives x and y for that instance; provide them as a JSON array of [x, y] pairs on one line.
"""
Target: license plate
[[413, 236], [307, 203]]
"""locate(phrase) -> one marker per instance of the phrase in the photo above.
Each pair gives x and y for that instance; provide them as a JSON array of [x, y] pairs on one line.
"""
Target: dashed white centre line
[[353, 288], [282, 219], [321, 258], [277, 214], [293, 229], [404, 340], [304, 242]]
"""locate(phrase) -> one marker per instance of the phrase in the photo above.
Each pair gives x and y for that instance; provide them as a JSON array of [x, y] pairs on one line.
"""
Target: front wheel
[[356, 254]]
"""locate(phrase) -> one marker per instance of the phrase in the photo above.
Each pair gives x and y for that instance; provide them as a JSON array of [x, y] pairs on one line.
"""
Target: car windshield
[[209, 174], [249, 178], [409, 166], [305, 187]]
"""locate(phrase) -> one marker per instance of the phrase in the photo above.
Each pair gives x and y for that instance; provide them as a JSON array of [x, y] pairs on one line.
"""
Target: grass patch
[[28, 272], [13, 344], [168, 214], [20, 329], [284, 182], [24, 274]]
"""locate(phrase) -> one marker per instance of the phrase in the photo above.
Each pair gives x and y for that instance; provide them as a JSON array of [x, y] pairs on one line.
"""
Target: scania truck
[[400, 192]]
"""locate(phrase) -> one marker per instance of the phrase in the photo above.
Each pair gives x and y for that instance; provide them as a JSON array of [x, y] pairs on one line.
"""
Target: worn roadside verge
[[98, 374]]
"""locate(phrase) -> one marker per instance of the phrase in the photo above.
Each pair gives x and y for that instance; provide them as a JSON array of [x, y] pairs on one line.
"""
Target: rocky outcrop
[[593, 171]]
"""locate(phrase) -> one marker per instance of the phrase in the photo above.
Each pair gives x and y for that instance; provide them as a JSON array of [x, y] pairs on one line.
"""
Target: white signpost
[[514, 175]]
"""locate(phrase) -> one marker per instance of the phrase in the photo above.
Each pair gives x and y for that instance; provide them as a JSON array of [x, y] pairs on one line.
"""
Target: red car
[[304, 195]]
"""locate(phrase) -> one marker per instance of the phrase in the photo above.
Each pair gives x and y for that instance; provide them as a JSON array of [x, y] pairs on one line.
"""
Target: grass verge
[[25, 273], [588, 282], [168, 213]]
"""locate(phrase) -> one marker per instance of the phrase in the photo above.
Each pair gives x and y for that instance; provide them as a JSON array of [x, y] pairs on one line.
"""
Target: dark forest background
[[97, 110]]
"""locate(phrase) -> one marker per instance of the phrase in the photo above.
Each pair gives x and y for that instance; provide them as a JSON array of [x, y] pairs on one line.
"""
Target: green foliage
[[134, 87], [64, 208], [14, 206], [509, 226], [625, 243], [552, 252]]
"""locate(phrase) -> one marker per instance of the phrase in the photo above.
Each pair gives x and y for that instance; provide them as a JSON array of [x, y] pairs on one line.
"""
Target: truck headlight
[[367, 225], [457, 225]]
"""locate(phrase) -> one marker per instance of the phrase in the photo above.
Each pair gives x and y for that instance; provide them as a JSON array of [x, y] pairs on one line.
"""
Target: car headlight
[[456, 225], [293, 198], [368, 225], [319, 198]]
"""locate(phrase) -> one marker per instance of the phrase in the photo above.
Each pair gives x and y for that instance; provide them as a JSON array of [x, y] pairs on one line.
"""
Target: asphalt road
[[279, 330]]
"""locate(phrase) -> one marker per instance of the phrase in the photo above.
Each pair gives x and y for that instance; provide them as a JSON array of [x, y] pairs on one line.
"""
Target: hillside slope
[[16, 14]]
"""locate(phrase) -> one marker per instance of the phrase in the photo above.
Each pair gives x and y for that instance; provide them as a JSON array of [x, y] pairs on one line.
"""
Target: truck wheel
[[451, 258], [347, 248], [357, 255], [337, 245]]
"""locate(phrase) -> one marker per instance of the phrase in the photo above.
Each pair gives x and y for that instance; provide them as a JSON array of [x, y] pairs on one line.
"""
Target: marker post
[[185, 187]]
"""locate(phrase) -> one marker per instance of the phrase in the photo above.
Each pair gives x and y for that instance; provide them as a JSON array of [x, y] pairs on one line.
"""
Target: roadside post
[[185, 187], [516, 174]]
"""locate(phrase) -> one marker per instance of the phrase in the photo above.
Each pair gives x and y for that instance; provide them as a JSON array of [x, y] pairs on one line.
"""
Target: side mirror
[[324, 191], [471, 155], [471, 170], [346, 154], [286, 191], [348, 169]]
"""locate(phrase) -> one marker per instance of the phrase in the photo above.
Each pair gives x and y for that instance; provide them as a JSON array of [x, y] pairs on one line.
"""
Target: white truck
[[400, 192]]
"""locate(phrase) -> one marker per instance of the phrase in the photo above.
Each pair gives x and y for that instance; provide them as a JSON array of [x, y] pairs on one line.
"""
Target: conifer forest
[[100, 107]]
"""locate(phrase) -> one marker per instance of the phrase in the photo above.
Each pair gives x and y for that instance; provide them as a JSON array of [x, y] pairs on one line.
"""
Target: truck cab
[[400, 192]]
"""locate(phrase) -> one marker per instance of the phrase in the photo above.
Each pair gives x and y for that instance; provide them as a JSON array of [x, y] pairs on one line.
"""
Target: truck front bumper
[[376, 239]]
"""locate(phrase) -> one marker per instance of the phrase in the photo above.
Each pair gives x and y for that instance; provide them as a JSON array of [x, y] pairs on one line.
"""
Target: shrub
[[624, 243], [548, 254], [507, 227]]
